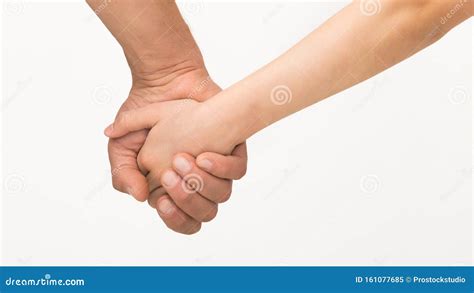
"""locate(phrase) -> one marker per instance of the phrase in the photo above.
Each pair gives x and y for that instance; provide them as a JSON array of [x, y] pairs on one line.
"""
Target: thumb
[[133, 120], [126, 177]]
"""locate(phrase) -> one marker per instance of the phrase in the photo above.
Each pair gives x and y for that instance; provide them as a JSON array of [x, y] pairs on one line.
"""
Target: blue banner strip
[[238, 279]]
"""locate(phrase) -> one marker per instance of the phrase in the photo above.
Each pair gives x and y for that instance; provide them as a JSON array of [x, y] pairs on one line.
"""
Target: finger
[[233, 166], [193, 204], [155, 195], [133, 120], [153, 179], [126, 177], [216, 189], [174, 218]]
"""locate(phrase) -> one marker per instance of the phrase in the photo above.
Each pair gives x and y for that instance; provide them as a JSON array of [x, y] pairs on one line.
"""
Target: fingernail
[[165, 207], [169, 179], [182, 165], [109, 129], [204, 164]]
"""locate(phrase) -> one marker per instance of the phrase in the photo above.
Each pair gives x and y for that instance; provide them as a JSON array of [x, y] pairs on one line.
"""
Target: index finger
[[233, 166]]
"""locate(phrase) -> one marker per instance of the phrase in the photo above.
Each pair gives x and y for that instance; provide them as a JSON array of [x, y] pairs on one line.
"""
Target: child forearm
[[349, 48]]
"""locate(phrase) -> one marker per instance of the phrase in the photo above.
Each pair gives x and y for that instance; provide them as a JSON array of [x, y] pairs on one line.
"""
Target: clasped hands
[[161, 147], [178, 141], [168, 148]]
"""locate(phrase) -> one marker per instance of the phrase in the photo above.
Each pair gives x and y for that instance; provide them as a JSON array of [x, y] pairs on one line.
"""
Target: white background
[[377, 175]]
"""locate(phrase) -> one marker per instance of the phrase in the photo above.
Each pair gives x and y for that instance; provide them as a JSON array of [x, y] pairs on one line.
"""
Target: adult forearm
[[349, 48], [151, 33]]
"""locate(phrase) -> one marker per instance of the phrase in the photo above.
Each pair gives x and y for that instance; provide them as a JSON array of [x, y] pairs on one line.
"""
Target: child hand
[[180, 126]]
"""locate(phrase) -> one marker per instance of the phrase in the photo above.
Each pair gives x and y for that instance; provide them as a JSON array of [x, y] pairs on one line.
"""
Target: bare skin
[[166, 65], [347, 49]]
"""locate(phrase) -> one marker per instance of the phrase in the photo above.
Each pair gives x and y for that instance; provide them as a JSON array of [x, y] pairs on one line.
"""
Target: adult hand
[[166, 64], [216, 170], [181, 126]]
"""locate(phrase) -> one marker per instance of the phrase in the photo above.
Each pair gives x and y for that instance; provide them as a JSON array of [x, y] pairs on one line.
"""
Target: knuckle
[[181, 224], [191, 228], [190, 186], [241, 173], [122, 119], [145, 158], [173, 224], [225, 168], [182, 195], [225, 195], [117, 183], [152, 201], [211, 214]]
